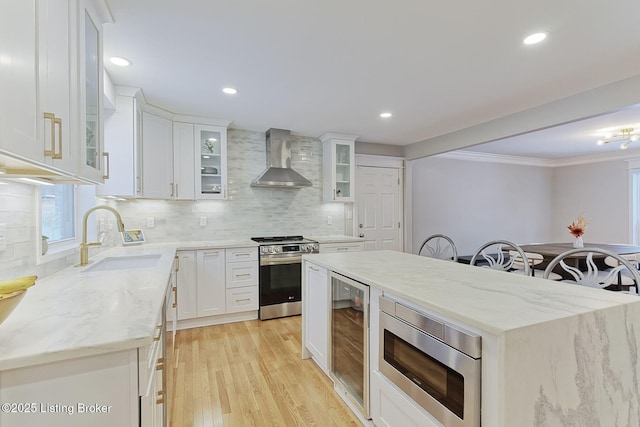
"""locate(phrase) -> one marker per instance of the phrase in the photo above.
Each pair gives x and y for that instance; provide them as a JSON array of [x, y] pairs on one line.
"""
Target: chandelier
[[625, 136]]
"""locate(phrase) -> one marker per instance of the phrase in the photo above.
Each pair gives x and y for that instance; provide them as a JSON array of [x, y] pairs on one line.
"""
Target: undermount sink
[[125, 262]]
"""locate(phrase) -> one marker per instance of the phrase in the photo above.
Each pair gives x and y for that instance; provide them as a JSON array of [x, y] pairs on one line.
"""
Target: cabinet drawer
[[148, 359], [242, 299], [242, 273], [342, 247], [242, 254]]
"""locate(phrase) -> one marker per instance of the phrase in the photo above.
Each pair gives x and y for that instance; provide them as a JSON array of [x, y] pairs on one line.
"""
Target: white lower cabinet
[[392, 408], [120, 388], [187, 297], [326, 248], [210, 282], [214, 285], [315, 300]]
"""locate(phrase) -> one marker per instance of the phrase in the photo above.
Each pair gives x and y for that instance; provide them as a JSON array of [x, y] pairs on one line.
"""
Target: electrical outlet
[[203, 221], [329, 220], [151, 222]]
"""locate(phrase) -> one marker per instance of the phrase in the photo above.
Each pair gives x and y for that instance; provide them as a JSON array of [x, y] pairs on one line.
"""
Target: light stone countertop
[[74, 313], [491, 301]]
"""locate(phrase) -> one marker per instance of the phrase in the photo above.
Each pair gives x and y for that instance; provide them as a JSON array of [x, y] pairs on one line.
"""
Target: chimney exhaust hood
[[279, 173]]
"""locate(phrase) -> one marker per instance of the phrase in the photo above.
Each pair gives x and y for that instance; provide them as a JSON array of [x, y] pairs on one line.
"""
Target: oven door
[[280, 279], [444, 381]]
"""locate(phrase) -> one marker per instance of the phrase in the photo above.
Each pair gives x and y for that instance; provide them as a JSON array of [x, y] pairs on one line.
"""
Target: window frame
[[66, 247]]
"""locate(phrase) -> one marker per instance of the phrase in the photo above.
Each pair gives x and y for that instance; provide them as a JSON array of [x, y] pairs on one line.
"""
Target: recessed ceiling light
[[385, 115], [119, 61], [230, 90], [535, 38]]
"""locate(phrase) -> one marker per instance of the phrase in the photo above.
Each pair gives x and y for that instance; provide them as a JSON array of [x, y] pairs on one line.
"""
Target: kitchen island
[[553, 354]]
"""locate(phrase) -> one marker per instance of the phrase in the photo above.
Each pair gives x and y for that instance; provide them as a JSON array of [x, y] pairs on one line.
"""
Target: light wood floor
[[249, 374]]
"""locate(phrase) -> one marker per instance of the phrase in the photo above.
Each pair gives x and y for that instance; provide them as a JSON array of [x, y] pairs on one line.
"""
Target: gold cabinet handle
[[58, 155], [159, 329], [107, 165], [52, 151]]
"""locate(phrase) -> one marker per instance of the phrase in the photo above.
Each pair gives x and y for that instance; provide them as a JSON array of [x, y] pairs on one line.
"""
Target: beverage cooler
[[349, 364]]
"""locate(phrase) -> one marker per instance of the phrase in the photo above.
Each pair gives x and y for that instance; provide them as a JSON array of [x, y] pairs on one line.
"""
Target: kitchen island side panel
[[579, 371]]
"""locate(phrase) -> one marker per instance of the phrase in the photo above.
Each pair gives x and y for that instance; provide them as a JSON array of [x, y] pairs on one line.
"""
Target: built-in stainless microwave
[[436, 364]]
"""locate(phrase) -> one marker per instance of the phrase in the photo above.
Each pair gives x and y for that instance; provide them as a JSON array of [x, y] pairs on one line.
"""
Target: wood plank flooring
[[249, 374]]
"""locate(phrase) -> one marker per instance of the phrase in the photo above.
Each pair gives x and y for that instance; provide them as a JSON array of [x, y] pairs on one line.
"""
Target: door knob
[[361, 235]]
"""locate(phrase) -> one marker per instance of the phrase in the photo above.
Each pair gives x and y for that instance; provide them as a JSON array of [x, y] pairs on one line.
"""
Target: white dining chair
[[439, 246], [495, 255], [590, 275], [624, 276]]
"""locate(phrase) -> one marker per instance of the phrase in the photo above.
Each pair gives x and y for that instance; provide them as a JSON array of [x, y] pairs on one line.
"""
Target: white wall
[[475, 202], [600, 192]]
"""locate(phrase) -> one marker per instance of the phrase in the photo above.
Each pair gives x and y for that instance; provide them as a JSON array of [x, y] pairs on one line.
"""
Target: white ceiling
[[569, 140], [318, 66]]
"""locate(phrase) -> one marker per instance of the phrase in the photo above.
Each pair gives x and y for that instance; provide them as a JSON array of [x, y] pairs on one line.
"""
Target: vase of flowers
[[576, 228]]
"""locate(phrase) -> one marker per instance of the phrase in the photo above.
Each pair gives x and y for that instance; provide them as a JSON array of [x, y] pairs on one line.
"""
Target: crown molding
[[532, 161], [474, 156]]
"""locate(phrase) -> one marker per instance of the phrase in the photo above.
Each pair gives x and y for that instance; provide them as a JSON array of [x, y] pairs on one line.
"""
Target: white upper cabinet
[[183, 164], [93, 165], [123, 142], [19, 80], [339, 167], [211, 162], [157, 157], [57, 127]]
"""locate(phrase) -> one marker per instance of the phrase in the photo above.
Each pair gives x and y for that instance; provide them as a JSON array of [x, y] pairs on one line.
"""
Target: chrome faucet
[[84, 246]]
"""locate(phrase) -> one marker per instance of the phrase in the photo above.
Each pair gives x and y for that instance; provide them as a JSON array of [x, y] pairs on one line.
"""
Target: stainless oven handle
[[297, 259]]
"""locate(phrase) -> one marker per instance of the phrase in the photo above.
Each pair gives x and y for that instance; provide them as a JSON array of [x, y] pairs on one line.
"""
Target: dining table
[[552, 250]]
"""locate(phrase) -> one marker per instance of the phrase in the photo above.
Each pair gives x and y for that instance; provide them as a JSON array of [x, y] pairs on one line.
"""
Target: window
[[58, 206]]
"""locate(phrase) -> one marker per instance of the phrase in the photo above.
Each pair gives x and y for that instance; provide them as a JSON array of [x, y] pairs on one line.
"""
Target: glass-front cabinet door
[[91, 81], [339, 167], [343, 168], [211, 162]]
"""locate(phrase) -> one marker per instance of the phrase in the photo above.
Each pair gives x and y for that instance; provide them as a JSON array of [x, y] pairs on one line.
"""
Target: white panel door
[[378, 207]]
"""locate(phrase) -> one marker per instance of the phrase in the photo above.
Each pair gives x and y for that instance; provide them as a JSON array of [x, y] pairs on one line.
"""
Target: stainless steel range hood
[[279, 173]]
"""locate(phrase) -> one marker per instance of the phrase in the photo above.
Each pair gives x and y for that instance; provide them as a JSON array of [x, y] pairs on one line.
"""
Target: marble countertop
[[488, 300], [75, 313]]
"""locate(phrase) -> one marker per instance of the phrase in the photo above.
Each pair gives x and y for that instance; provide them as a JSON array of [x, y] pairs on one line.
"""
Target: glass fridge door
[[350, 339]]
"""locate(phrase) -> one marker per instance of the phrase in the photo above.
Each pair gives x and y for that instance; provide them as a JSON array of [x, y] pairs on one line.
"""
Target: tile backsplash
[[17, 216], [248, 211]]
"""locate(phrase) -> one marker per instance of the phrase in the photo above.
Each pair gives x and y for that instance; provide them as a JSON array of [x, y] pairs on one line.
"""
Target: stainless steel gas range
[[281, 274]]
